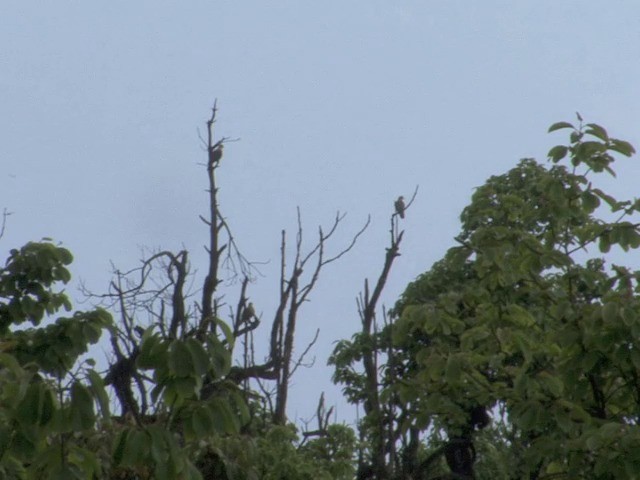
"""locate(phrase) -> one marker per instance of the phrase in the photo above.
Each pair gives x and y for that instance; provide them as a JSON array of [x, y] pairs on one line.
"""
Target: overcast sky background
[[339, 105]]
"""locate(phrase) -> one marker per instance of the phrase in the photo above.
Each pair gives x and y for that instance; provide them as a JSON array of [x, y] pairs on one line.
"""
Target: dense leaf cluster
[[55, 416], [526, 316]]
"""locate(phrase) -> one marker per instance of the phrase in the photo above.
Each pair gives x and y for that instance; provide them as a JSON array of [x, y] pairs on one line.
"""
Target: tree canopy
[[515, 356], [526, 317]]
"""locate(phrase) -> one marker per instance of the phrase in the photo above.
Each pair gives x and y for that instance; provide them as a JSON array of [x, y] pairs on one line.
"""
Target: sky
[[336, 105]]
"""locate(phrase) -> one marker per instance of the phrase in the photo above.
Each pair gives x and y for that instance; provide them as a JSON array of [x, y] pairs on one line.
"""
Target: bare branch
[[234, 261], [211, 281], [300, 360], [413, 197], [352, 244], [322, 415], [3, 225]]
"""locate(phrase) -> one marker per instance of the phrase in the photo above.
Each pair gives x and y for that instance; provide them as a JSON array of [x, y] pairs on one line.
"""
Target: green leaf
[[610, 312], [620, 146], [575, 136], [226, 330], [99, 392], [64, 472], [119, 447], [136, 448], [557, 153], [202, 422], [520, 316], [152, 352], [597, 131], [86, 461], [590, 360], [9, 361], [219, 355], [180, 360], [610, 429], [82, 414], [201, 361], [224, 419], [552, 383], [604, 243], [454, 369], [165, 452], [158, 443], [28, 411], [37, 406], [594, 442], [192, 473], [590, 149], [633, 238], [240, 406], [183, 386], [64, 255], [560, 125], [527, 418], [589, 201]]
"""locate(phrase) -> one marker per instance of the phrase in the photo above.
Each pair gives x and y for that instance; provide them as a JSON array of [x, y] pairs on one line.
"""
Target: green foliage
[[526, 316], [344, 358], [520, 314], [50, 425], [178, 369], [274, 453], [55, 420], [328, 457], [26, 281], [39, 409], [152, 452], [56, 347], [334, 452]]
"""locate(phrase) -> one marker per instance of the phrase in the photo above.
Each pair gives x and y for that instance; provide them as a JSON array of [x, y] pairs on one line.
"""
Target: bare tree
[[379, 415], [159, 294]]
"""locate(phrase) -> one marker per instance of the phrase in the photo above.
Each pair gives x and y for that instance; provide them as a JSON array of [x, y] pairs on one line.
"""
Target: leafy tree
[[521, 320], [43, 401], [526, 316]]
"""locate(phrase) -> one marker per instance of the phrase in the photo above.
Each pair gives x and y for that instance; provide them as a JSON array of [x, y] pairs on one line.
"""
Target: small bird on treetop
[[400, 206], [249, 313], [216, 154]]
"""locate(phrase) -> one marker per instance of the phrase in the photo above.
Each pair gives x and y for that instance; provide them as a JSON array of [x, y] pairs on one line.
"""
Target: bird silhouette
[[215, 154], [400, 206], [249, 313]]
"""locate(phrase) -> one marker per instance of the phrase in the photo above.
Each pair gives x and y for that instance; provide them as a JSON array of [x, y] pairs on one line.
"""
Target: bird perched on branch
[[400, 206], [249, 313], [215, 154]]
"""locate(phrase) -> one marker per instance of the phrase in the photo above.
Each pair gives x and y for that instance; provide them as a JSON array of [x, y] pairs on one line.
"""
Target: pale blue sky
[[340, 105]]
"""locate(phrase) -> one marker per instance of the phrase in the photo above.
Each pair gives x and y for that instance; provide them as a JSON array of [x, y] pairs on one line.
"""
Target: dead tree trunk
[[155, 295], [381, 421]]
